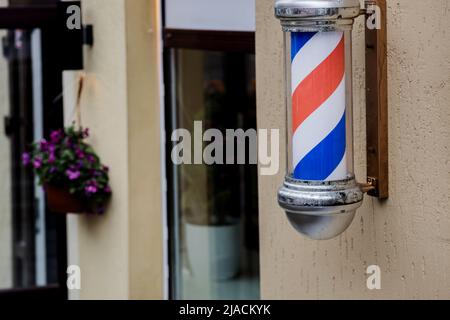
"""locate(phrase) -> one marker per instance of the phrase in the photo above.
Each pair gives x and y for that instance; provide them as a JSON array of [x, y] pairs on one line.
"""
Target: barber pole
[[318, 105], [320, 194]]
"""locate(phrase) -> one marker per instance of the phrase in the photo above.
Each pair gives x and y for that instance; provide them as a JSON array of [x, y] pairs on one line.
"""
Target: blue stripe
[[298, 40], [320, 163]]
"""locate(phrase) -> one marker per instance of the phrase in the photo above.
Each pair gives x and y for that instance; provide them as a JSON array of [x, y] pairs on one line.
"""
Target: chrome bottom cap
[[321, 210]]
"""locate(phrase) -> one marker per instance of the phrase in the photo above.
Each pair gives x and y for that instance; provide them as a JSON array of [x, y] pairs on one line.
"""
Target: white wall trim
[[226, 15]]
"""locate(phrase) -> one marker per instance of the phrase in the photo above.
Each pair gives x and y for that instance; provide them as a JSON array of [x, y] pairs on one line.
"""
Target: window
[[32, 240], [213, 209]]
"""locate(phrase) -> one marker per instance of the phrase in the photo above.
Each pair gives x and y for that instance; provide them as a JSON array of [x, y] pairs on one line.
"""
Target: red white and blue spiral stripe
[[318, 106]]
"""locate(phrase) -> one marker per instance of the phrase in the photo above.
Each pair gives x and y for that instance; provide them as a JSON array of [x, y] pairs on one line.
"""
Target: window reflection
[[216, 224], [31, 240]]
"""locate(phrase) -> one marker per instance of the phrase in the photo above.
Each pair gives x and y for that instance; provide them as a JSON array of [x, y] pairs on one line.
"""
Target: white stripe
[[340, 172], [313, 53], [319, 124]]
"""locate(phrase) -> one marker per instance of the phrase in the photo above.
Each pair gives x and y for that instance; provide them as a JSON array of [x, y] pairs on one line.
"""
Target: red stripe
[[315, 89]]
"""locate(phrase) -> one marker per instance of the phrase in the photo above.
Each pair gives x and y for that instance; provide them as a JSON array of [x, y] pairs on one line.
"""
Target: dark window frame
[[44, 17], [210, 40]]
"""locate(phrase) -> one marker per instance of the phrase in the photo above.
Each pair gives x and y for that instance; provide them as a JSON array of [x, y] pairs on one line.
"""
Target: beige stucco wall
[[5, 179], [121, 253], [408, 236]]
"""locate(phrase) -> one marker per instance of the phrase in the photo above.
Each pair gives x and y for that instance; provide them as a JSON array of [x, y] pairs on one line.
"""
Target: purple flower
[[26, 158], [52, 170], [91, 158], [51, 153], [107, 189], [37, 163], [80, 154], [85, 133], [69, 143], [44, 145], [51, 148], [79, 164], [105, 168], [73, 174], [55, 136], [51, 158], [91, 188]]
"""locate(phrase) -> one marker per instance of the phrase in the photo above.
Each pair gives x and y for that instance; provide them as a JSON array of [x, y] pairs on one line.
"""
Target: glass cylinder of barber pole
[[319, 106], [318, 69]]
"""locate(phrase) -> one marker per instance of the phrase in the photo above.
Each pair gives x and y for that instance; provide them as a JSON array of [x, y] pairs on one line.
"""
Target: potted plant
[[212, 229], [211, 202], [70, 171]]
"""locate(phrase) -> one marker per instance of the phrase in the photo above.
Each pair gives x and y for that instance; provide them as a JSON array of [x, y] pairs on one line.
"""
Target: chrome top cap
[[316, 4], [317, 15]]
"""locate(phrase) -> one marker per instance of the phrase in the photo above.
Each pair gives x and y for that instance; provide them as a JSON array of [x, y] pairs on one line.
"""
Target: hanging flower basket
[[59, 199], [71, 173]]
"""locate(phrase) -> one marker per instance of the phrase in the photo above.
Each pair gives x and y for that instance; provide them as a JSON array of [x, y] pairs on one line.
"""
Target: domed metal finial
[[320, 210], [316, 15]]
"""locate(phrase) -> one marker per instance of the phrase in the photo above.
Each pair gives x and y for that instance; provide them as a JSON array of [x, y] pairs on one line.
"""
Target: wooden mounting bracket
[[377, 99]]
